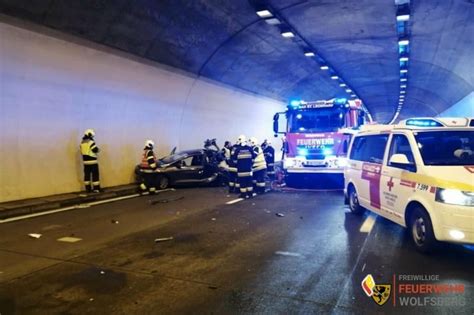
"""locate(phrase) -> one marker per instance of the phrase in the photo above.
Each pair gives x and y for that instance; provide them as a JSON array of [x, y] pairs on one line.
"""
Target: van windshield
[[446, 147]]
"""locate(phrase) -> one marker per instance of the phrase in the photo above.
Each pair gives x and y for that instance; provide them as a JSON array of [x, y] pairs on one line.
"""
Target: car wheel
[[164, 182], [354, 205], [421, 230]]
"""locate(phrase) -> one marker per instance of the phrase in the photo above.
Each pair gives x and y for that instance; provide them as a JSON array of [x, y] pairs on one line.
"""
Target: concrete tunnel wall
[[52, 89]]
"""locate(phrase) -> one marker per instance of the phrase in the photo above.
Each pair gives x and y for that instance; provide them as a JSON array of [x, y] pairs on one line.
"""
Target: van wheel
[[354, 205], [421, 230], [164, 182]]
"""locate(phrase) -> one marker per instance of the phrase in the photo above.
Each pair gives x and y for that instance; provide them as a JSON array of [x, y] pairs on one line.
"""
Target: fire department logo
[[380, 293]]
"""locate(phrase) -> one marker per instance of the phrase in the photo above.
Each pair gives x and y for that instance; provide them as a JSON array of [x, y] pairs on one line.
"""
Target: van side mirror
[[275, 122], [400, 159]]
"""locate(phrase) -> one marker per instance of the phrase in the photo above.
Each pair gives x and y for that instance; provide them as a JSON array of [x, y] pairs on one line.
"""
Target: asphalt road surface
[[239, 258]]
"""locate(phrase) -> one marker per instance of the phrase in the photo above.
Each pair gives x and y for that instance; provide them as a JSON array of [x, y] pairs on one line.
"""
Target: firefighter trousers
[[91, 177], [232, 179], [259, 181], [150, 182], [245, 185]]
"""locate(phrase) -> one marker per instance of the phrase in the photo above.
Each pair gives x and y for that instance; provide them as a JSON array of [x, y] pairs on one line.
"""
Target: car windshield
[[446, 147], [170, 159], [320, 120]]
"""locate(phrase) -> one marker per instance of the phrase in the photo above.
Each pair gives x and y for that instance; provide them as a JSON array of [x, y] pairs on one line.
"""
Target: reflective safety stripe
[[232, 169], [242, 190], [270, 173], [231, 184], [260, 184], [237, 185], [142, 186], [259, 168], [437, 182], [91, 162], [95, 183], [87, 182], [244, 174], [244, 156], [249, 188], [270, 164], [147, 170], [254, 181], [152, 189]]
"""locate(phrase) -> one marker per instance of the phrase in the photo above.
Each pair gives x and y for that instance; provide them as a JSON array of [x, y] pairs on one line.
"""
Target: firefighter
[[269, 153], [89, 151], [259, 166], [234, 185], [148, 168], [245, 157]]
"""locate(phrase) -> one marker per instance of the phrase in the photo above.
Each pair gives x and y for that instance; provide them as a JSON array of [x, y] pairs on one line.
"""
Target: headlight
[[455, 197]]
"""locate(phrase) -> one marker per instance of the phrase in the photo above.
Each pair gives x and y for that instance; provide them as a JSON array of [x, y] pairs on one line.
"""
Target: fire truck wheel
[[354, 205], [421, 230]]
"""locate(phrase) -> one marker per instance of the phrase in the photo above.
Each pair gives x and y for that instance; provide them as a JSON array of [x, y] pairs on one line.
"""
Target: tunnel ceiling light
[[287, 34], [309, 54], [404, 59], [403, 79], [403, 70], [403, 17], [273, 21], [403, 92], [324, 67], [342, 85], [353, 95], [334, 77], [348, 90], [403, 86], [403, 42], [264, 13]]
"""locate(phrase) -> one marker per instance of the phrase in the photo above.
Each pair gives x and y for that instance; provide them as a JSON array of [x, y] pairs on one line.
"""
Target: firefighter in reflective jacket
[[229, 165], [147, 168], [245, 157], [234, 184], [259, 166], [89, 151], [269, 153]]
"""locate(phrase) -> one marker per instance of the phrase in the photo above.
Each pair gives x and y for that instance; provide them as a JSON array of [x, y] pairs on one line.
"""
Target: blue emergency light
[[327, 151], [423, 123], [295, 103], [302, 151], [341, 101]]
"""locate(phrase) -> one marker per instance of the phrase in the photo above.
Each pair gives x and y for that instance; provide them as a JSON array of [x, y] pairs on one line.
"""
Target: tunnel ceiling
[[225, 40]]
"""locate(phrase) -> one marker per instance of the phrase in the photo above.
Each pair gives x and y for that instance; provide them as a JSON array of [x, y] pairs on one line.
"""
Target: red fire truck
[[317, 135]]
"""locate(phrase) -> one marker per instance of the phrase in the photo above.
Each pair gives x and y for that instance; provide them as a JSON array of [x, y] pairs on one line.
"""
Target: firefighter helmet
[[241, 140], [253, 141], [149, 144], [89, 133]]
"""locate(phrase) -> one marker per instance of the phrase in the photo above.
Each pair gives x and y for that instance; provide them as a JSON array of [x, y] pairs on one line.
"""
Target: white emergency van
[[419, 174]]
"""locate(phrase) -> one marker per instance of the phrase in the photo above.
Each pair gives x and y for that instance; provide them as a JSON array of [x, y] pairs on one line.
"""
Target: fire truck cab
[[317, 134]]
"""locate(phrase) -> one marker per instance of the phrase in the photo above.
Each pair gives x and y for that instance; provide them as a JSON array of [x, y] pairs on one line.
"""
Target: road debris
[[102, 272], [283, 253], [69, 239], [114, 221], [267, 211], [154, 202], [91, 299], [278, 214], [164, 239], [213, 219], [212, 287], [34, 235]]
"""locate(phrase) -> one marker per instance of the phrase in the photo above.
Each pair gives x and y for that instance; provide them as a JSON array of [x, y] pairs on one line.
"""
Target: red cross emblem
[[390, 184]]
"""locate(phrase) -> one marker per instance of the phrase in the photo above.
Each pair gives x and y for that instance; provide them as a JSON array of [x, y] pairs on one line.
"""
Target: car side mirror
[[400, 159]]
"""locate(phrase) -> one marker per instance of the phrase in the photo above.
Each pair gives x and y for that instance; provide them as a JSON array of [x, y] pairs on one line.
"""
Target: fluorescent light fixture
[[403, 86], [342, 85], [264, 13], [334, 77], [403, 17], [403, 70], [403, 79], [309, 54], [324, 67], [403, 92], [404, 58], [403, 42], [402, 97], [273, 21], [348, 90], [287, 34], [353, 95]]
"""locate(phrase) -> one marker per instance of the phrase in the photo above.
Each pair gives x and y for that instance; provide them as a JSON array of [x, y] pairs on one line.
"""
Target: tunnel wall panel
[[52, 89]]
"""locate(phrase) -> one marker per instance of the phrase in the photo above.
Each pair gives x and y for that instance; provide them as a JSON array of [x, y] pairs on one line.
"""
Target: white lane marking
[[234, 201], [79, 206], [368, 224], [287, 254], [69, 239]]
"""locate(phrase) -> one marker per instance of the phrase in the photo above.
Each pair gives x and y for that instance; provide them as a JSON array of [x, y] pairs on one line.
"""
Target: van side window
[[400, 145], [369, 148]]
